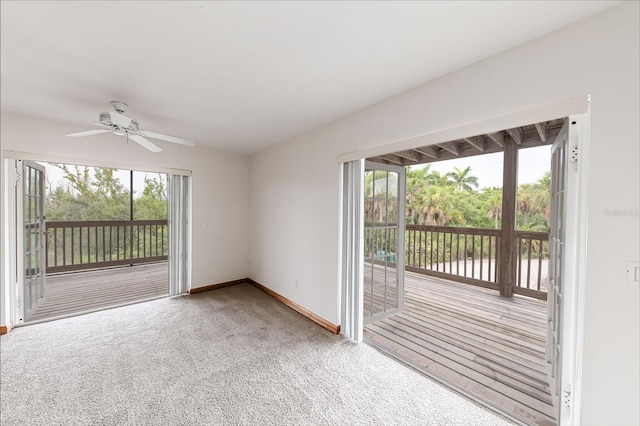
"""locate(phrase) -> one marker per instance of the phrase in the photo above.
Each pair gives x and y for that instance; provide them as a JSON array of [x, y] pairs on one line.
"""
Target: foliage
[[462, 179], [153, 202], [453, 199], [95, 193]]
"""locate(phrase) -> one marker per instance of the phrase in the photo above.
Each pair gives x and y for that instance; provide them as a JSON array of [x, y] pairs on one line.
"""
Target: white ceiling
[[243, 75]]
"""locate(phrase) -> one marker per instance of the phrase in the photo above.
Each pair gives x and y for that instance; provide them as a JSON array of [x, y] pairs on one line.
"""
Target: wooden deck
[[490, 347], [78, 292]]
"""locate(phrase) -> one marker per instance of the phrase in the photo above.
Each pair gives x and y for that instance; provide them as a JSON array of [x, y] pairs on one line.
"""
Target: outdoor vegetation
[[95, 193], [451, 200], [454, 199], [88, 217]]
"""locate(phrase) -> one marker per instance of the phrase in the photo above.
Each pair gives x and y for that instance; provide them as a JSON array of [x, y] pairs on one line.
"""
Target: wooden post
[[507, 267]]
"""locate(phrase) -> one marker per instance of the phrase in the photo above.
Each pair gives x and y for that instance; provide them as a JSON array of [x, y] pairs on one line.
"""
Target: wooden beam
[[392, 158], [455, 150], [476, 142], [429, 151], [498, 138], [507, 264], [542, 131], [516, 135], [410, 155]]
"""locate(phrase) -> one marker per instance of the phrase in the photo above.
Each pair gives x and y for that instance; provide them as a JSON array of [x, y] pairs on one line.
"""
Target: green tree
[[153, 202], [87, 196], [95, 193], [462, 179], [493, 206]]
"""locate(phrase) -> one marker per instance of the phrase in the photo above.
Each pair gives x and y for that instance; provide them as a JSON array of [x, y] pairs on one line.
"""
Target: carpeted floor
[[230, 356]]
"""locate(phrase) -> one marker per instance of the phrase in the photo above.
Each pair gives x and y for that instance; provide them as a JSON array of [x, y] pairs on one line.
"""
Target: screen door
[[31, 293], [384, 227]]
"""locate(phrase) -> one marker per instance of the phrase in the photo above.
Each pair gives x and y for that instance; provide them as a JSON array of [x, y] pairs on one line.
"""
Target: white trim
[[584, 142], [564, 108], [49, 158]]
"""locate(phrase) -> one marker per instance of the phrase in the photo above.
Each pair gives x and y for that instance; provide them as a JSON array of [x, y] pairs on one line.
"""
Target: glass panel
[[392, 289], [392, 199]]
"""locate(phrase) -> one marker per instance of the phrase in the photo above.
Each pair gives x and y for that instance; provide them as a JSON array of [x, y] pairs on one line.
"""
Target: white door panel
[[563, 267], [30, 189]]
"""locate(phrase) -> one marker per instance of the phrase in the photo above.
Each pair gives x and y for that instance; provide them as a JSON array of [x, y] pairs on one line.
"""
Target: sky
[[533, 163]]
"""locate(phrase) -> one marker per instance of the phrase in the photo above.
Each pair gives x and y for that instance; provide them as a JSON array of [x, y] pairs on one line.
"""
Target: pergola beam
[[498, 138], [393, 159], [455, 150], [429, 151], [516, 135], [542, 131], [411, 155], [476, 142], [527, 136]]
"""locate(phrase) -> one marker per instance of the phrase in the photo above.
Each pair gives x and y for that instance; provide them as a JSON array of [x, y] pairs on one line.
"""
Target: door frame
[[9, 280], [574, 323]]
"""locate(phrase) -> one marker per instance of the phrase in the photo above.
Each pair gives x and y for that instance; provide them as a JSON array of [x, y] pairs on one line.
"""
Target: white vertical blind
[[179, 234], [352, 249]]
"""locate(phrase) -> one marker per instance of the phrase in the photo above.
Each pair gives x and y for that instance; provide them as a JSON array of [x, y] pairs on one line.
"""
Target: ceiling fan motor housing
[[118, 122]]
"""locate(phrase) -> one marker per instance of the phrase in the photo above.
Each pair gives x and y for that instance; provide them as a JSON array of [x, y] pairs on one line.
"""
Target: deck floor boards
[[489, 346], [78, 292]]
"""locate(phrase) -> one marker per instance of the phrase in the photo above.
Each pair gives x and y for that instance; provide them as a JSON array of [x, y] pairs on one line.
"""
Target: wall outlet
[[297, 282]]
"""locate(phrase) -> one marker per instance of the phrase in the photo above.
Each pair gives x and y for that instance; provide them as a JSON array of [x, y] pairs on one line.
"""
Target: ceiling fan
[[121, 125]]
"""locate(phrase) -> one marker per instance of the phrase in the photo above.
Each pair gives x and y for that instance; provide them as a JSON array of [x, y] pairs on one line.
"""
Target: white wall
[[219, 181], [295, 184]]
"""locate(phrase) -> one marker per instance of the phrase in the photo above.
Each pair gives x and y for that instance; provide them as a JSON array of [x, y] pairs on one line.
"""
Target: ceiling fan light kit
[[122, 125]]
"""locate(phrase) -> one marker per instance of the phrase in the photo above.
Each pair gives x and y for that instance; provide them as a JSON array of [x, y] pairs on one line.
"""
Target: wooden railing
[[78, 245], [471, 255], [532, 263], [468, 255]]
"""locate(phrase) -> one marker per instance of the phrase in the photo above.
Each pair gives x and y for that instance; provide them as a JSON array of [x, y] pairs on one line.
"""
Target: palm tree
[[525, 205], [417, 182], [436, 179], [434, 212], [462, 179], [495, 207]]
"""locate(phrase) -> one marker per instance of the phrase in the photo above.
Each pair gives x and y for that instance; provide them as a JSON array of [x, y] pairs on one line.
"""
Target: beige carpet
[[231, 356]]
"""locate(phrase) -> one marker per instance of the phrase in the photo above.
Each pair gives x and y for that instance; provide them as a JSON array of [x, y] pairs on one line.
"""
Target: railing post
[[507, 266], [131, 242]]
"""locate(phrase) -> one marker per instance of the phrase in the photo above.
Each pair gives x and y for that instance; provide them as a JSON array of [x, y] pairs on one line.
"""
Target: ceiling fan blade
[[145, 143], [167, 138], [88, 133]]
